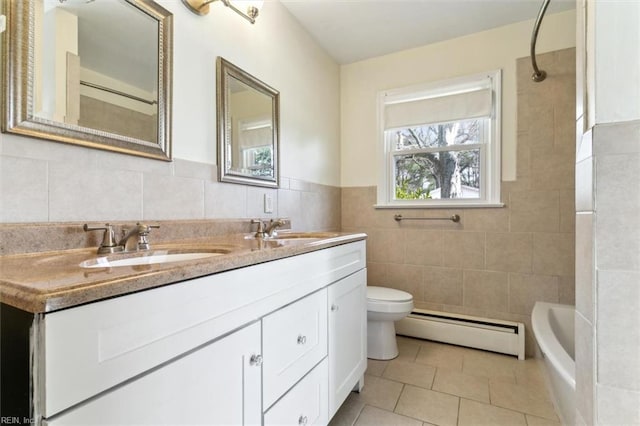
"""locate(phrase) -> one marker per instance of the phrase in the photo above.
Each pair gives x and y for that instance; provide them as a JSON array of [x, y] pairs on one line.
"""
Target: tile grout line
[[398, 400]]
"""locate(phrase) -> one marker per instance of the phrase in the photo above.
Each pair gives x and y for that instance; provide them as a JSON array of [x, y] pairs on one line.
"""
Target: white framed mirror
[[248, 128], [90, 73]]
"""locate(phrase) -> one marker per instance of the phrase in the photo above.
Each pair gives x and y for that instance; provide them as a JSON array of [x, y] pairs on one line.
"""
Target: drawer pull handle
[[302, 339], [302, 420], [334, 308], [255, 360]]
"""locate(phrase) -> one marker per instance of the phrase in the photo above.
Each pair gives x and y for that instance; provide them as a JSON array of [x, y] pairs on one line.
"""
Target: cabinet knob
[[334, 308], [255, 360], [302, 420], [302, 339]]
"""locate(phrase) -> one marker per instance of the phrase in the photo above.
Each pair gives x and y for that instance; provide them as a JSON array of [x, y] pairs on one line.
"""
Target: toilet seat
[[382, 299], [387, 294]]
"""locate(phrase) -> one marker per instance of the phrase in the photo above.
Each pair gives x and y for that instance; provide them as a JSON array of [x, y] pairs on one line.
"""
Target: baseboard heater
[[481, 333]]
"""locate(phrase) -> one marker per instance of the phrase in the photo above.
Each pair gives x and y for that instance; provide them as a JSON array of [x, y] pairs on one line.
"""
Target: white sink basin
[[298, 236], [150, 259], [304, 235]]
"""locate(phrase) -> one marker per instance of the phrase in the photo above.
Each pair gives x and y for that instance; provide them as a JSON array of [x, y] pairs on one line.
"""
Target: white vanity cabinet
[[245, 346], [218, 384], [347, 307]]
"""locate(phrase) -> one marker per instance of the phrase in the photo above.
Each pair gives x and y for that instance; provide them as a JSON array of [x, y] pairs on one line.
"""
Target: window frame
[[490, 152]]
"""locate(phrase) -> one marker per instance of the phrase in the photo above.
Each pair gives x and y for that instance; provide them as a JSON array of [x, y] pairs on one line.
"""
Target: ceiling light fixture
[[201, 7]]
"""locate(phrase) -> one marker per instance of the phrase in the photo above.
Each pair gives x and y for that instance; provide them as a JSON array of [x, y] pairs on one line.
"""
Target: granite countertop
[[49, 281]]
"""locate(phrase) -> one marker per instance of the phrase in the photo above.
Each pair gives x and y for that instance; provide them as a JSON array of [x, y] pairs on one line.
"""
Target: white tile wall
[[80, 194], [617, 329], [255, 202], [584, 185], [225, 200], [618, 210], [585, 381], [172, 197], [44, 181], [23, 183], [584, 265], [617, 406]]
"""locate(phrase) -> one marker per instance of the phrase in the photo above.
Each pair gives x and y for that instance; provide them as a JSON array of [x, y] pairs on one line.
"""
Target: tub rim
[[548, 342]]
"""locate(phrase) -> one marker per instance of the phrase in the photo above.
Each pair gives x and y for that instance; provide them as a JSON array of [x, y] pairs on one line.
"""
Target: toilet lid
[[388, 294]]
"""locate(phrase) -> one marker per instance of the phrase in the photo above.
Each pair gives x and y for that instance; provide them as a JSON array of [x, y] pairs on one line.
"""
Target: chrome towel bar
[[118, 92], [452, 218]]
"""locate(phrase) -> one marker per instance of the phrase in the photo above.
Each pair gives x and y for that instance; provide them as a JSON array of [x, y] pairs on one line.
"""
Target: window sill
[[440, 206]]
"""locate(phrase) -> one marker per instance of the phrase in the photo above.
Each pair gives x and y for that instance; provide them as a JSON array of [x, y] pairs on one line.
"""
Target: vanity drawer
[[294, 340], [307, 403]]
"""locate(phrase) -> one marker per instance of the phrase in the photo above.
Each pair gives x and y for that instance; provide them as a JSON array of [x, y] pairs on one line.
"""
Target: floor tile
[[539, 421], [530, 373], [372, 416], [348, 412], [375, 367], [520, 398], [463, 385], [473, 413], [411, 373], [429, 406], [440, 356], [441, 384], [408, 348], [490, 365], [379, 392]]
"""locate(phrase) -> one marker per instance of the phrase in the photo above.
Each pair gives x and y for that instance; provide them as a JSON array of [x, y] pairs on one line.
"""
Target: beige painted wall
[[277, 51], [484, 51]]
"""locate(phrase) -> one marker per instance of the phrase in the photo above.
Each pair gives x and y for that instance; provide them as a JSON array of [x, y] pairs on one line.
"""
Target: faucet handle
[[260, 231], [142, 228], [108, 244], [143, 233]]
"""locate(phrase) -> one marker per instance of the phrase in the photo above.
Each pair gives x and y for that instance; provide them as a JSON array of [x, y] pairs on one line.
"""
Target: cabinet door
[[347, 336], [218, 384]]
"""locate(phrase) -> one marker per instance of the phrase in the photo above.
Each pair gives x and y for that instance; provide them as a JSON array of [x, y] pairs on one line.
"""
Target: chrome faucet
[[273, 225], [268, 230], [109, 244], [140, 231]]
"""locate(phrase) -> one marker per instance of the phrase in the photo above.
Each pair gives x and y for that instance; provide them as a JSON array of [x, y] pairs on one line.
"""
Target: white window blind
[[440, 109]]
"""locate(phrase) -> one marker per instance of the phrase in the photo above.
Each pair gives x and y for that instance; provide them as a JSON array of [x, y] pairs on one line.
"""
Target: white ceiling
[[352, 30]]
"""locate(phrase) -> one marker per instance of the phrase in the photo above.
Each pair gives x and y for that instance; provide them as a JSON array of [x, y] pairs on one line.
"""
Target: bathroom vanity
[[280, 340]]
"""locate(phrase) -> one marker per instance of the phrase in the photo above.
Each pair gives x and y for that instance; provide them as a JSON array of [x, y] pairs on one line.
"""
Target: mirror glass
[[248, 113], [93, 73]]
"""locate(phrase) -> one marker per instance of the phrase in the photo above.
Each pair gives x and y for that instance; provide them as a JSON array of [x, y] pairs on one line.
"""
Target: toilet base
[[381, 340]]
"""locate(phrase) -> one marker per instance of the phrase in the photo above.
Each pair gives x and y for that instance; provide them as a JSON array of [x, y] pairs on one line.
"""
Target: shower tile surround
[[496, 262], [608, 273]]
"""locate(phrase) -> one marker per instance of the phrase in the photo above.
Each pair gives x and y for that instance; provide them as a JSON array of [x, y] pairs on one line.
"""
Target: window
[[441, 144]]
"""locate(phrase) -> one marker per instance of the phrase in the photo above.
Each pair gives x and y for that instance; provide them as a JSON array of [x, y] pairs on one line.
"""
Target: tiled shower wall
[[42, 181], [496, 262]]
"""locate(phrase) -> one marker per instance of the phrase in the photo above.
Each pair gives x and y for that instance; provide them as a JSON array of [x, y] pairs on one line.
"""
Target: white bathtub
[[553, 327]]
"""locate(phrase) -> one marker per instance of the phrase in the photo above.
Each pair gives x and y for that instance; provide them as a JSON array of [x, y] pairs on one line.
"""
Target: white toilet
[[384, 307]]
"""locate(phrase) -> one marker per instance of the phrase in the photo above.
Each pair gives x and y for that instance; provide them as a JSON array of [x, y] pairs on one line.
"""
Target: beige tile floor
[[433, 383]]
